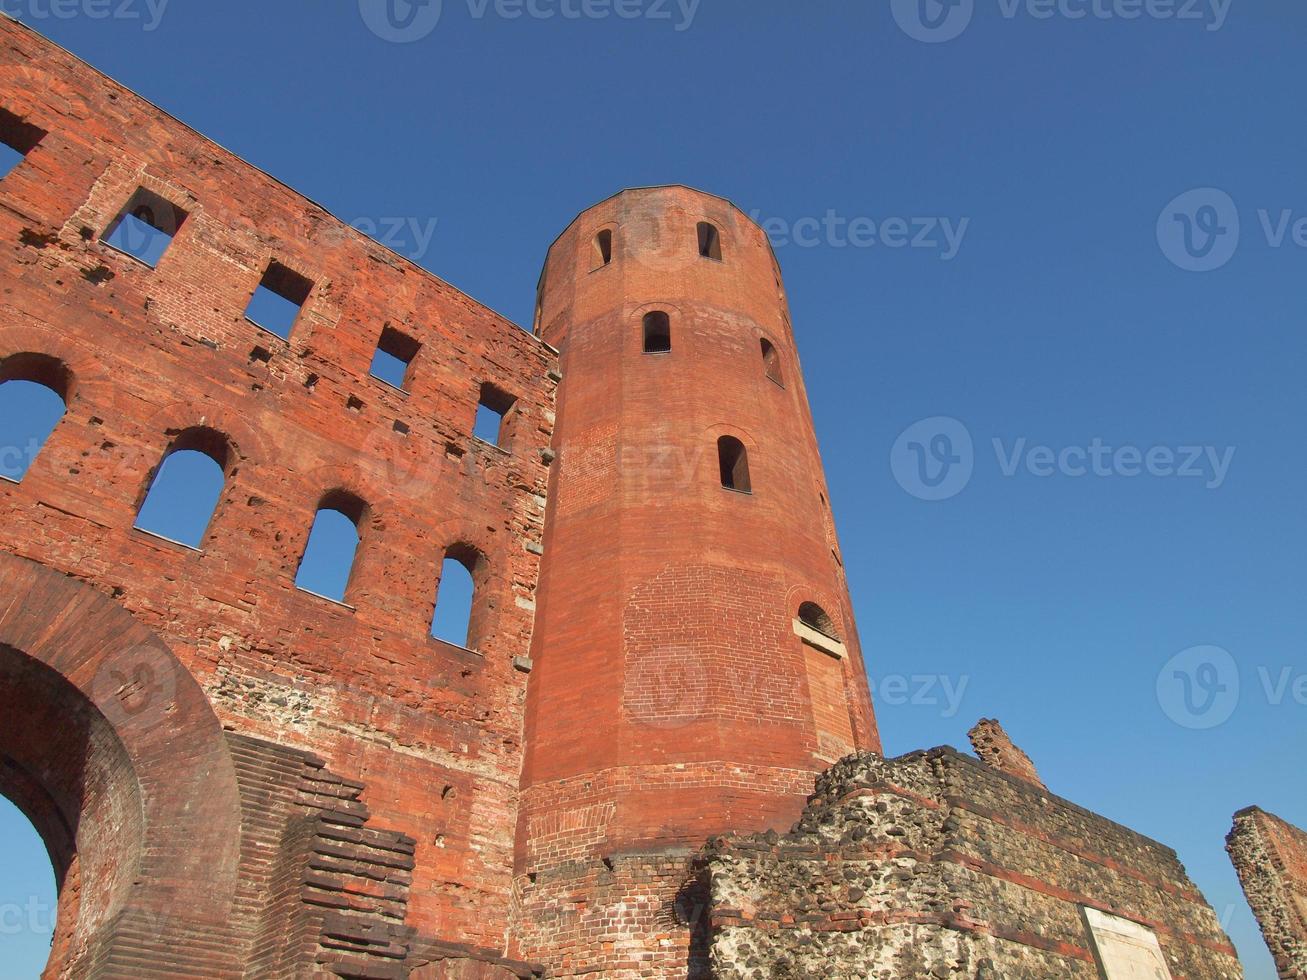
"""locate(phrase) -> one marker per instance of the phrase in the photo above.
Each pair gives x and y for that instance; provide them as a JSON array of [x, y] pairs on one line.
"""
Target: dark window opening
[[454, 619], [276, 303], [145, 227], [34, 393], [734, 459], [657, 333], [814, 617], [328, 560], [603, 248], [393, 360], [710, 241], [186, 489], [17, 139], [771, 360], [493, 414]]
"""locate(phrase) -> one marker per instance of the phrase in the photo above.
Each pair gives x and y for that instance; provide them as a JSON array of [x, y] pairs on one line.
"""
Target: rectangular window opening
[[393, 361], [603, 249], [276, 303], [493, 413], [710, 241], [17, 139], [145, 227]]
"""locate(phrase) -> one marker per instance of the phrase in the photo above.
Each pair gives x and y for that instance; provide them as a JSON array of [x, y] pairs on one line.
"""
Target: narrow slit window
[[771, 361], [710, 241], [328, 560], [454, 617], [734, 460], [494, 410], [276, 303], [145, 227], [34, 392], [393, 361], [657, 333], [603, 248], [187, 487], [17, 139]]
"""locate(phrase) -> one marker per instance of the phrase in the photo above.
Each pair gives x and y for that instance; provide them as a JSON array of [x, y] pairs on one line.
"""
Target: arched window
[[657, 333], [710, 241], [454, 620], [34, 393], [814, 617], [185, 491], [603, 249], [333, 543], [771, 361], [734, 460]]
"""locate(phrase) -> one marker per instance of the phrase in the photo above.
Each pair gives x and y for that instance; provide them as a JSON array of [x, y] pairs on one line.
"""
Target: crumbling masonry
[[236, 778]]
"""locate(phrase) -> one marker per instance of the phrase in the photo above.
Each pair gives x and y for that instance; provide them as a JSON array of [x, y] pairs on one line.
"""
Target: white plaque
[[1125, 950]]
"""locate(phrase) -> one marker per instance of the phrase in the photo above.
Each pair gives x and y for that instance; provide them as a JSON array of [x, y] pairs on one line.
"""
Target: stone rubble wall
[[935, 865]]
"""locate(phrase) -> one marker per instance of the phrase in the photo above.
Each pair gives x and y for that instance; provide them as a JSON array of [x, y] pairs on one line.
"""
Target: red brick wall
[[671, 698], [434, 732], [1270, 856]]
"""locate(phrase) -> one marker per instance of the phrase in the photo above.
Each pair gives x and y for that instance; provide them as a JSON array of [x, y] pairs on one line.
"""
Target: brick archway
[[111, 749]]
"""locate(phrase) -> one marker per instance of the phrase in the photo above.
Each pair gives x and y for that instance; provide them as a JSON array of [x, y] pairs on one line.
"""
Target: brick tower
[[695, 657]]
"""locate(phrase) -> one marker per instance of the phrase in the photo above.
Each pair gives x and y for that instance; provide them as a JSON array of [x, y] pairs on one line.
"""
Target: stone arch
[[111, 749]]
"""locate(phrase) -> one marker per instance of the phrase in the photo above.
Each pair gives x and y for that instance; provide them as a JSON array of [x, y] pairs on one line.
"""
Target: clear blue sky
[[1058, 319]]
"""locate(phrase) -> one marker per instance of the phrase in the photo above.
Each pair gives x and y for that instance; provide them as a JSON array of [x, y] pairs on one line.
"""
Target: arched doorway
[[112, 752]]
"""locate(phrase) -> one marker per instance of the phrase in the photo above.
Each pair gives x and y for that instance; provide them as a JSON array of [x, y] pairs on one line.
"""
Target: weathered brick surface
[[1270, 856], [936, 865], [432, 732], [992, 744]]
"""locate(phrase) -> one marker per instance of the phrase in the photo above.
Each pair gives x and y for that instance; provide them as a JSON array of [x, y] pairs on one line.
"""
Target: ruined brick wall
[[675, 694], [1270, 856], [430, 733], [935, 865]]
